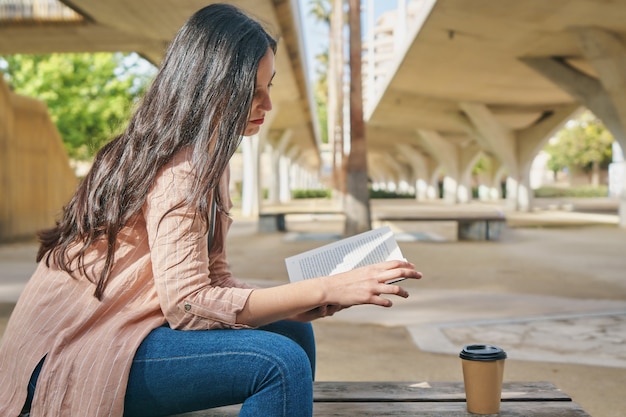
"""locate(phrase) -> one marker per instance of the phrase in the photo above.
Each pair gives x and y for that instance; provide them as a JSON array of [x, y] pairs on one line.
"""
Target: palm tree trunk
[[335, 95], [357, 204]]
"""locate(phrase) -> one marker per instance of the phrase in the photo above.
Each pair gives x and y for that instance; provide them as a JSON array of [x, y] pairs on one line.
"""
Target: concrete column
[[423, 168], [511, 193], [250, 190], [516, 150], [587, 90], [604, 97], [448, 156], [533, 139], [277, 149], [284, 189], [499, 138], [495, 176], [450, 189], [607, 54], [468, 157]]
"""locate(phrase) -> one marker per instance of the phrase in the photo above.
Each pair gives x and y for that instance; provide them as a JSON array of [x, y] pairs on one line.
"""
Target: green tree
[[584, 144], [320, 92], [321, 10], [89, 96]]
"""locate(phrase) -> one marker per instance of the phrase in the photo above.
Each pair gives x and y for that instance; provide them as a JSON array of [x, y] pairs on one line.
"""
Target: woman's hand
[[317, 313], [311, 299], [365, 285]]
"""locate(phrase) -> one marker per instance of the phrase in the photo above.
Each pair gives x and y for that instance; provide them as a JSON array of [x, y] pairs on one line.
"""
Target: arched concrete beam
[[449, 157], [533, 139], [607, 54], [445, 152], [587, 90], [424, 170], [500, 139]]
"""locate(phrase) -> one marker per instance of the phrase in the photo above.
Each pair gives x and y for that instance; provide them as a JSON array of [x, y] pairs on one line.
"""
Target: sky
[[316, 33]]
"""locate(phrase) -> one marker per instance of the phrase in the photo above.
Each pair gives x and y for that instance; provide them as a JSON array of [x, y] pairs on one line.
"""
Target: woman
[[114, 320]]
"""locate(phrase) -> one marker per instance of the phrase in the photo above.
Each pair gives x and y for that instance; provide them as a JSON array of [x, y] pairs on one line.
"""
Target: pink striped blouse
[[162, 273]]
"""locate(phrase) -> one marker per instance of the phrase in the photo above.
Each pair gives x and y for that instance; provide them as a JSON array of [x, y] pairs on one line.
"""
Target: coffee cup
[[483, 369]]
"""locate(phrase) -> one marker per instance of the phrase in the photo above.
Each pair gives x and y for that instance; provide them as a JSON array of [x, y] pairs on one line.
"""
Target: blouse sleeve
[[190, 297], [218, 261]]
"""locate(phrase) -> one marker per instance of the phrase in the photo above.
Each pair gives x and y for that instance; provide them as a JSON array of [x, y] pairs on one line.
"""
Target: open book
[[367, 248]]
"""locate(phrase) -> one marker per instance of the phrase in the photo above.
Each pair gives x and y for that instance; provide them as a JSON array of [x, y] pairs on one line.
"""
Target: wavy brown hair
[[200, 97]]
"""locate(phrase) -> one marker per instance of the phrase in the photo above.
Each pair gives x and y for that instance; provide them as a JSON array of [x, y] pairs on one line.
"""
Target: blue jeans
[[270, 370]]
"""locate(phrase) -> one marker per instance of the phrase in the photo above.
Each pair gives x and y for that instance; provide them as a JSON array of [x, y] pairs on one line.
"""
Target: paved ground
[[551, 292]]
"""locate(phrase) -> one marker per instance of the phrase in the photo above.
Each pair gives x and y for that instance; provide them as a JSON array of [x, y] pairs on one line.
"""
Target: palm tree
[[335, 96], [331, 12], [357, 204]]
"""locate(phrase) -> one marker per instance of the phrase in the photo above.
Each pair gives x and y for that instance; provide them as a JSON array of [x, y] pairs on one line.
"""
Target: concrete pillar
[[421, 189], [607, 54], [284, 189], [603, 96], [250, 189], [447, 154], [496, 175], [468, 156], [516, 149], [277, 149], [450, 189], [500, 139], [423, 171], [511, 193]]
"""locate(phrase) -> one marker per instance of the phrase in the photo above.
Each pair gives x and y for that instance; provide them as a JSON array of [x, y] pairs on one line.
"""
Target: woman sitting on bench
[[131, 312]]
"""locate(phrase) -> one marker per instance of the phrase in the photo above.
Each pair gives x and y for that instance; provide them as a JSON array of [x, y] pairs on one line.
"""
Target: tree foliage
[[582, 143], [89, 96], [320, 10], [320, 93]]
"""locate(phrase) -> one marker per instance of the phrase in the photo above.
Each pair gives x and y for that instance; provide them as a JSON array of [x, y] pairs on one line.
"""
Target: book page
[[367, 248]]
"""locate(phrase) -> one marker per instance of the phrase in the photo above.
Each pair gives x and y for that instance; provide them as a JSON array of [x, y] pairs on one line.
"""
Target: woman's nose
[[266, 102]]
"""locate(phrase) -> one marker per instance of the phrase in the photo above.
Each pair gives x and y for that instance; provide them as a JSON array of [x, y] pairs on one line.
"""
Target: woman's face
[[261, 103]]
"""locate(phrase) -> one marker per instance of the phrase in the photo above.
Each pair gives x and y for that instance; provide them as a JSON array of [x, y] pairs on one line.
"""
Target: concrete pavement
[[551, 293]]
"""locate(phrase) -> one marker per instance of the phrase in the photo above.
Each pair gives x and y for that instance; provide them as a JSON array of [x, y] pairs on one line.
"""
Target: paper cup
[[483, 369]]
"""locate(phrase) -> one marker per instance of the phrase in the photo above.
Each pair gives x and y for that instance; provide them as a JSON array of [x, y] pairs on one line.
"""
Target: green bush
[[389, 194], [582, 191], [306, 193]]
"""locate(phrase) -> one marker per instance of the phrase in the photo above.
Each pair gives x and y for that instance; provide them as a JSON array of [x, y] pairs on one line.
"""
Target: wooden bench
[[425, 399], [469, 226], [275, 221]]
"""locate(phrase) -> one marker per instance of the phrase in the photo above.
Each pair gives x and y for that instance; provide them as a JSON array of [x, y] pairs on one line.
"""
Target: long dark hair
[[200, 97]]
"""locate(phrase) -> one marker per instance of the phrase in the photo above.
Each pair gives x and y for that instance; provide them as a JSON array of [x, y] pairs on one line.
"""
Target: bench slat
[[337, 391], [382, 409]]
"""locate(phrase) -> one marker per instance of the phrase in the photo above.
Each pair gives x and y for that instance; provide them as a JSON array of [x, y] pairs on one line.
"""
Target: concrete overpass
[[146, 27], [492, 77], [468, 78]]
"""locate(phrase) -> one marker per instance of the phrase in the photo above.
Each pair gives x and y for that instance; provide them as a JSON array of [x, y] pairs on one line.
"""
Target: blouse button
[[187, 307]]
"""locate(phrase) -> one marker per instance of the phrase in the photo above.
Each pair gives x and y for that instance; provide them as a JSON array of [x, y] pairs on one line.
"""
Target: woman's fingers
[[368, 285], [394, 271]]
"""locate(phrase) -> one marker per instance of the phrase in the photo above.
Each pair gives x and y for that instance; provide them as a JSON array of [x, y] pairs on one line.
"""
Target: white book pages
[[366, 248]]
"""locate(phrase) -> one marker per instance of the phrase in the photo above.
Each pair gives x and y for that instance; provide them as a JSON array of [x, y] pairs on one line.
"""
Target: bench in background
[[276, 222], [469, 226]]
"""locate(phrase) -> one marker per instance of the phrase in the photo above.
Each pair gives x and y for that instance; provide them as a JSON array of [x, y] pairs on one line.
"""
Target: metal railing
[[36, 11]]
